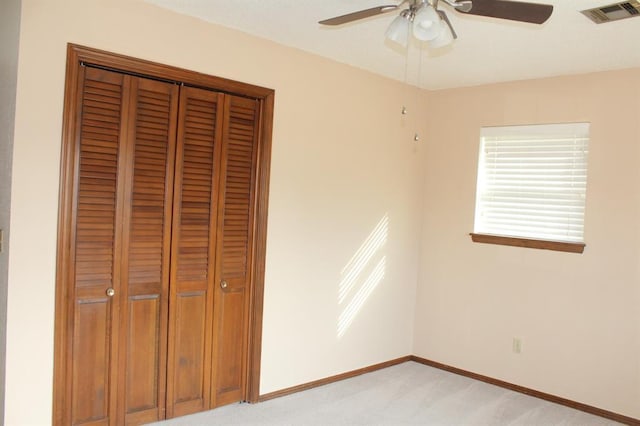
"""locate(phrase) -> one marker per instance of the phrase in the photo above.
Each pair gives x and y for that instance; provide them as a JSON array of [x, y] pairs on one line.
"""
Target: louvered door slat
[[193, 248], [235, 231]]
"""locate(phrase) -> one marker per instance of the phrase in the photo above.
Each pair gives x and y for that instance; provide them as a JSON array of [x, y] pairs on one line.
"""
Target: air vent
[[613, 12]]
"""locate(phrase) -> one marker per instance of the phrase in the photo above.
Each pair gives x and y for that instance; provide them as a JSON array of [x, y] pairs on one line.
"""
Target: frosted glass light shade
[[445, 37], [398, 31], [427, 24]]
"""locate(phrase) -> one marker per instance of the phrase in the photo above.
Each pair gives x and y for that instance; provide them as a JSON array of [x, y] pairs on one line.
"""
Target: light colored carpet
[[405, 394]]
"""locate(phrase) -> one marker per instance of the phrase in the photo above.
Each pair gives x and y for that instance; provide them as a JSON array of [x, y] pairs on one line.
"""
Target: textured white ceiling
[[487, 50]]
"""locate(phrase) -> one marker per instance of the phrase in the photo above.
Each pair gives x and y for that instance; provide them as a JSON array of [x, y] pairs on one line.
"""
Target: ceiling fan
[[431, 24]]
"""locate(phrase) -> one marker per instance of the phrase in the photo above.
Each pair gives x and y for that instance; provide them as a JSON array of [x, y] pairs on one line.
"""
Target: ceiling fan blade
[[361, 14], [534, 13]]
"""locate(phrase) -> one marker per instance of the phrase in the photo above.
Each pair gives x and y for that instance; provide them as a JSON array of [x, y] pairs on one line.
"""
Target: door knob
[[223, 284], [110, 292]]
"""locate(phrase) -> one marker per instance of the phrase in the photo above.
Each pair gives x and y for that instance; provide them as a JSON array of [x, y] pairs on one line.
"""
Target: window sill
[[529, 243]]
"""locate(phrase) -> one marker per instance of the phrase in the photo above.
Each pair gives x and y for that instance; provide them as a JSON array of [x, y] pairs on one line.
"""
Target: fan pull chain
[[420, 65]]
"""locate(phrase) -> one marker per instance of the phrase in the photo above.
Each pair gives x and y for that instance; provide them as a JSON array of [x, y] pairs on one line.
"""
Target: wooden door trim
[[259, 247], [149, 69], [61, 367], [78, 55]]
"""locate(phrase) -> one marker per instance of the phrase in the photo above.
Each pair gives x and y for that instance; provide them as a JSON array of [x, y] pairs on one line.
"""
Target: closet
[[161, 241]]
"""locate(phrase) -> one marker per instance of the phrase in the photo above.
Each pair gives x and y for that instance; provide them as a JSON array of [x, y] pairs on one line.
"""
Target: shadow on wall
[[362, 274]]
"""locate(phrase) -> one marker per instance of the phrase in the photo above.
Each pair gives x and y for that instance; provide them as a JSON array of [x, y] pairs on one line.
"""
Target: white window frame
[[531, 186]]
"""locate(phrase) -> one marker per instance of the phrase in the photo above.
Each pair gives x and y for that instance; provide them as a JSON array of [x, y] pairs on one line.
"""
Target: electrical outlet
[[517, 345]]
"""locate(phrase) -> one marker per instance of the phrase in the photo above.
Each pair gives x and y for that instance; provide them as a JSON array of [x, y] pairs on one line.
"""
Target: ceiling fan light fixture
[[447, 35], [398, 30], [427, 24]]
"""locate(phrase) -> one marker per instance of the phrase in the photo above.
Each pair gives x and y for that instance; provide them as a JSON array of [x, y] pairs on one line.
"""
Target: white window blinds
[[532, 181]]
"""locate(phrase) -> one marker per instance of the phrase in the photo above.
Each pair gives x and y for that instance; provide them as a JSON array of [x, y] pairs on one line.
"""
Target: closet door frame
[[77, 56]]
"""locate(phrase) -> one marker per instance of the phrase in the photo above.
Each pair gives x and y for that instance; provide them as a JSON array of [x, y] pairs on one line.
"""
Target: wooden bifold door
[[156, 299]]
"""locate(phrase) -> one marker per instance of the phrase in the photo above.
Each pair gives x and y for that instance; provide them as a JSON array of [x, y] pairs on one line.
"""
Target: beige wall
[[9, 40], [343, 159], [578, 315]]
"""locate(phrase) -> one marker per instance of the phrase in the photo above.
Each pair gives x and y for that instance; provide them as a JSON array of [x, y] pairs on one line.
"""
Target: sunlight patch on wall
[[355, 271], [351, 310], [359, 261]]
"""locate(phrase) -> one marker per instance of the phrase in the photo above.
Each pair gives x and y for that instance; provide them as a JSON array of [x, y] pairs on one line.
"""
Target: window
[[531, 186]]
